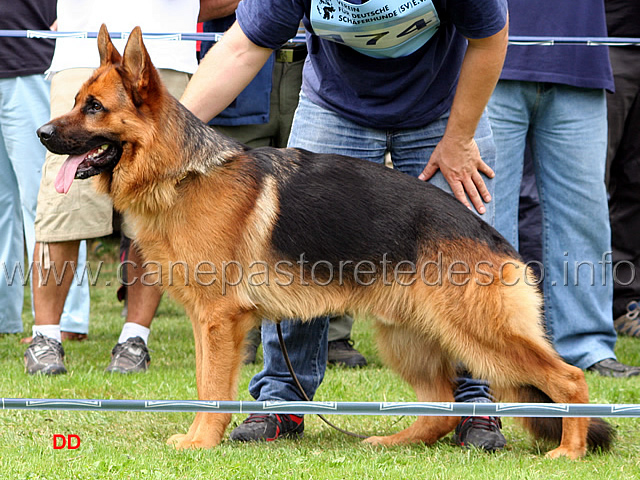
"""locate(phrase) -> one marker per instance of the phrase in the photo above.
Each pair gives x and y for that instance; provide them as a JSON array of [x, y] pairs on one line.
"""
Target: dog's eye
[[94, 106]]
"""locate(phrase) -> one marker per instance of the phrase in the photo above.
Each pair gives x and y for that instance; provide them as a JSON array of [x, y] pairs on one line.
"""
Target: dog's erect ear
[[108, 52], [137, 62]]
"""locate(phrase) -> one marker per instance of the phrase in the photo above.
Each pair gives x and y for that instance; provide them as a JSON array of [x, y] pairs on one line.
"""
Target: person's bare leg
[[131, 354], [143, 296], [53, 273], [50, 293]]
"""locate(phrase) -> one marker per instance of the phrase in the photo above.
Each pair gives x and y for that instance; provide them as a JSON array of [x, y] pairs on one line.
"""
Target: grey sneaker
[[610, 367], [44, 355], [129, 357], [629, 322]]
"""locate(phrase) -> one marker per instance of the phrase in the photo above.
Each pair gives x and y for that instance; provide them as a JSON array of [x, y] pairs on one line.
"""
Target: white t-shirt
[[153, 16]]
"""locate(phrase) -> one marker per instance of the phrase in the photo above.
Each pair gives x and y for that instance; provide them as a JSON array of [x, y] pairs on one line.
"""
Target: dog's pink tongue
[[67, 173]]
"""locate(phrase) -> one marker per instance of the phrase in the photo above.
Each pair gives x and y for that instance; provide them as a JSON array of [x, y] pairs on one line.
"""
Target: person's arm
[[210, 9], [224, 72], [457, 154]]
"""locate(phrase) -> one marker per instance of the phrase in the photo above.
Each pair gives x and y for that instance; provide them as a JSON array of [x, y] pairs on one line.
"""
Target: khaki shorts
[[82, 213]]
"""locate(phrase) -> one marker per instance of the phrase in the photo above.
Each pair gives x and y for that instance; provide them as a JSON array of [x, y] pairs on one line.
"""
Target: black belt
[[290, 54]]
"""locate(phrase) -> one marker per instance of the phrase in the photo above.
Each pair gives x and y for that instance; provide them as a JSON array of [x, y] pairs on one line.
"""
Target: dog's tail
[[600, 434]]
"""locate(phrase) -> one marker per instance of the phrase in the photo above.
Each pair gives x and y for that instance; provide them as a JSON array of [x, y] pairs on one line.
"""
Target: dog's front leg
[[219, 340]]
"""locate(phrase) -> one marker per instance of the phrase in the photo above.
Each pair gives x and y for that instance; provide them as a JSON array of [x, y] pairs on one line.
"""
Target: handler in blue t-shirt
[[407, 77]]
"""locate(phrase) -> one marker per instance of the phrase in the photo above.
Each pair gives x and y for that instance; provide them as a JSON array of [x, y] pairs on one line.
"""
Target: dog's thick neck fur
[[150, 194], [198, 152]]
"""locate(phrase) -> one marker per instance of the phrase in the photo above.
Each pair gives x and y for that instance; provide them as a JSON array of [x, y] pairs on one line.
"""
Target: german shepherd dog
[[292, 234]]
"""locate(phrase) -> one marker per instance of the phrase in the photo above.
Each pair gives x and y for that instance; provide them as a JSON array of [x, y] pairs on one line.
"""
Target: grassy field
[[127, 445]]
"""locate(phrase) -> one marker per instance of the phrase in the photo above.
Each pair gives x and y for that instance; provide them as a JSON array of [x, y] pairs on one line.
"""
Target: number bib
[[379, 28]]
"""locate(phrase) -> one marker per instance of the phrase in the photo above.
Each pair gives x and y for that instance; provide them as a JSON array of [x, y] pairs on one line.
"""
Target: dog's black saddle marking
[[335, 208]]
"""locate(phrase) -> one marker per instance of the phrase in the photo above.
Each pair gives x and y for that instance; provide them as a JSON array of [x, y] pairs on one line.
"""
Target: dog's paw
[[182, 441], [175, 439], [561, 451], [373, 440]]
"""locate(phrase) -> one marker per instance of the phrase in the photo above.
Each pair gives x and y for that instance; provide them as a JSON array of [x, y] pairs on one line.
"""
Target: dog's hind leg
[[496, 332], [564, 383], [513, 359], [422, 364], [219, 339]]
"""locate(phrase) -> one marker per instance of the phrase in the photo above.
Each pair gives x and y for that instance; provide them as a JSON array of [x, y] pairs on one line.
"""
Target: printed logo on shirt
[[378, 28]]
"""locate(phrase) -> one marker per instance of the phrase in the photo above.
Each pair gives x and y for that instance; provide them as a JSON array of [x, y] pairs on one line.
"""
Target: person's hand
[[460, 163]]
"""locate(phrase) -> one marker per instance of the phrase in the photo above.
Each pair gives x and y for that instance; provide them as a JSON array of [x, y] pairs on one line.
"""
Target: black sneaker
[[129, 357], [613, 368], [250, 353], [480, 432], [261, 427], [44, 355], [251, 346], [341, 352]]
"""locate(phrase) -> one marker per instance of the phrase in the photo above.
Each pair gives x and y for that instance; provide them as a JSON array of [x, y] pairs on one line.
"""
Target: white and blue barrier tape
[[204, 36], [332, 408], [213, 36]]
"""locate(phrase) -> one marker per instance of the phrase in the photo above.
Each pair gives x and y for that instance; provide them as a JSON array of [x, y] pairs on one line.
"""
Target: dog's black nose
[[46, 131]]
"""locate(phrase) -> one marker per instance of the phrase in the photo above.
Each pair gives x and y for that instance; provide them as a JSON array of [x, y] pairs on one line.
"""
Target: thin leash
[[285, 354]]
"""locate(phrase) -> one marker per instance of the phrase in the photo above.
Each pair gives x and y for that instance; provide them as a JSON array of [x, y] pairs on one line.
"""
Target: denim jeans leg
[[307, 348], [509, 115], [470, 390], [11, 247], [75, 316], [24, 106], [569, 151]]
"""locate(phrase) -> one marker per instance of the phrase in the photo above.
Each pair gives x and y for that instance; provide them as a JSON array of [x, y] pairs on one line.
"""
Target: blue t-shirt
[[385, 64], [576, 65]]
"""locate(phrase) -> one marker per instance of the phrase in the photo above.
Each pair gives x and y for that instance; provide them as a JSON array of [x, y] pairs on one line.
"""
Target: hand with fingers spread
[[460, 163], [457, 155]]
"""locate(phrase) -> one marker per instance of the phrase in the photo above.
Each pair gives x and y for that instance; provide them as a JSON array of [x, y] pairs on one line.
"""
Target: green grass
[[131, 445]]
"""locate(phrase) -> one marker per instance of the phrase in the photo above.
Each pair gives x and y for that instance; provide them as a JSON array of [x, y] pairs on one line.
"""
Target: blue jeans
[[24, 107], [566, 128], [322, 131]]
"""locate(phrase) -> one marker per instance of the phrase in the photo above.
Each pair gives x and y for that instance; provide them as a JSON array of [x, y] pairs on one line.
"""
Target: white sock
[[130, 330], [51, 331]]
